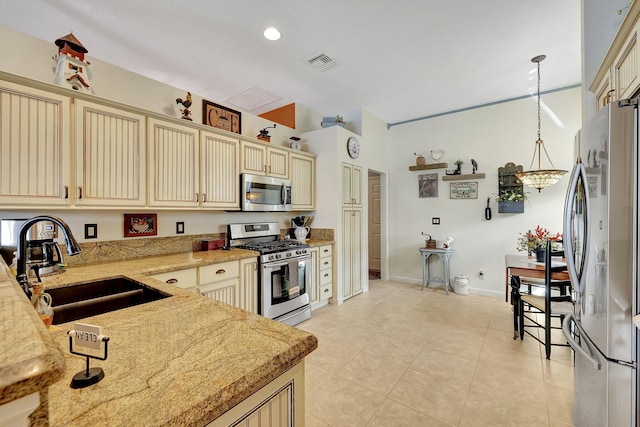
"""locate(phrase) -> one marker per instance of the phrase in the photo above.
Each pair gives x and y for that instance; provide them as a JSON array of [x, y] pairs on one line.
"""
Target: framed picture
[[428, 185], [221, 117], [592, 185], [464, 190], [144, 224]]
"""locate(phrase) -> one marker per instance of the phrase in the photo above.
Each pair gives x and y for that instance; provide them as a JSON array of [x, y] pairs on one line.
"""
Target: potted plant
[[511, 201], [536, 242]]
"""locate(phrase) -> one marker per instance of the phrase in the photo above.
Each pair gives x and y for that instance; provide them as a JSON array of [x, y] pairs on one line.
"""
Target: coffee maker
[[43, 253]]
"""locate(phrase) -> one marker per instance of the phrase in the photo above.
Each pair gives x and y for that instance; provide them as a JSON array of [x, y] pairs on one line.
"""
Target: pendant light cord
[[539, 142]]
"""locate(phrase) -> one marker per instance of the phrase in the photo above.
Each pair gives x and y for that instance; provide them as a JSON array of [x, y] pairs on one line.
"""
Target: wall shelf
[[429, 166], [463, 177]]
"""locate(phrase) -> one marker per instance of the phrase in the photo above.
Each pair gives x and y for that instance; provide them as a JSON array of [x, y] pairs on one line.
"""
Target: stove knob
[[278, 255], [270, 257], [289, 254]]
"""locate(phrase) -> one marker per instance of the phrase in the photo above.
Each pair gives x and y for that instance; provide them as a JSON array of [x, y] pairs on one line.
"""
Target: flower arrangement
[[537, 240], [511, 196]]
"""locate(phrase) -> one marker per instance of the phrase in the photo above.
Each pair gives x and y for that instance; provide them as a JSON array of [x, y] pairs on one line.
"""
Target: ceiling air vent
[[321, 62]]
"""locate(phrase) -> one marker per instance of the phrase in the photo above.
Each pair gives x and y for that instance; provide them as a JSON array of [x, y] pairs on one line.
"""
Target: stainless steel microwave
[[265, 193]]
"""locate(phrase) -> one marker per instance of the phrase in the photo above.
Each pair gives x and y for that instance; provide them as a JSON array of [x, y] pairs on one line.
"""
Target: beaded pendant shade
[[540, 178]]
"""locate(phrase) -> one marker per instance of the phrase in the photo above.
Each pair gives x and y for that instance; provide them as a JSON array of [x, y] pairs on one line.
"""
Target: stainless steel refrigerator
[[601, 247]]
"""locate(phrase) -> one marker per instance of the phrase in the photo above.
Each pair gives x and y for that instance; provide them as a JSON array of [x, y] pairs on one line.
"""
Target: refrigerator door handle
[[579, 175], [592, 356]]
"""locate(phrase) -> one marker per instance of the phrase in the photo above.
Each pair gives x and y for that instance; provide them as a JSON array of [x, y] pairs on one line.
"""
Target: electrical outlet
[[180, 227], [91, 231], [435, 221]]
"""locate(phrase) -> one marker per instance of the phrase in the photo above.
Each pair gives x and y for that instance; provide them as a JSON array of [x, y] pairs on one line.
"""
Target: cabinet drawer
[[326, 263], [325, 277], [326, 251], [219, 272], [325, 292], [185, 279]]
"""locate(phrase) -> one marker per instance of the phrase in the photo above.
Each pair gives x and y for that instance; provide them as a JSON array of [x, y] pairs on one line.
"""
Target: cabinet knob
[[326, 263], [326, 251], [221, 271], [196, 197], [172, 281], [326, 274], [79, 192], [66, 191], [326, 290], [204, 197]]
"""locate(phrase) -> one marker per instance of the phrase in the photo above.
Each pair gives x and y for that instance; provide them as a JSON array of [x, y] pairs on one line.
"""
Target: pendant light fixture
[[540, 178]]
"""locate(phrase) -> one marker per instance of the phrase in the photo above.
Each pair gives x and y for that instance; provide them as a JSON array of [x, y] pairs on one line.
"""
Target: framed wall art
[[428, 185], [221, 117], [144, 224], [463, 190]]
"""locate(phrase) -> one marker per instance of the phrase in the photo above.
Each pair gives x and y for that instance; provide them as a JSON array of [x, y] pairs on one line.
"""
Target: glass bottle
[[42, 303]]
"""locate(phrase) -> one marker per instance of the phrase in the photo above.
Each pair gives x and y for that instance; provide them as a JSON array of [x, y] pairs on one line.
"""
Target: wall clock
[[353, 147]]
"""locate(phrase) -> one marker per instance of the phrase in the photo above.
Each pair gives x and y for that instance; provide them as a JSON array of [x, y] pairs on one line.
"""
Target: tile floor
[[396, 356]]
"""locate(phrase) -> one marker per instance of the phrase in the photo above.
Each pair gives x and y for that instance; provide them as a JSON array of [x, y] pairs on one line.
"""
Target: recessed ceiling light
[[272, 33]]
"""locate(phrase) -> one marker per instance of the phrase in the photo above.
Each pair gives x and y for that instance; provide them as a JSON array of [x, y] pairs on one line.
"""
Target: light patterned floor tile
[[440, 360]]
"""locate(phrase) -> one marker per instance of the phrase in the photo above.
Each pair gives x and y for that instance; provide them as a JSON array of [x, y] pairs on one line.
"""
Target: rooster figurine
[[186, 103]]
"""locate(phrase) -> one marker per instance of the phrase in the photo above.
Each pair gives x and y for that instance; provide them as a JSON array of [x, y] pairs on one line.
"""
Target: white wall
[[492, 136]]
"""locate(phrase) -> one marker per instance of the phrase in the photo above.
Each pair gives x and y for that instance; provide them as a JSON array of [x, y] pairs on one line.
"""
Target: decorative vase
[[539, 254]]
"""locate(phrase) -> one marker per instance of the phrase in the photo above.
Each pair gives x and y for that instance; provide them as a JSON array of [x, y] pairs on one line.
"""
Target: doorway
[[374, 237]]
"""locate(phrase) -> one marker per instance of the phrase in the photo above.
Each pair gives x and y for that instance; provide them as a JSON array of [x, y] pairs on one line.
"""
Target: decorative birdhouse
[[71, 69]]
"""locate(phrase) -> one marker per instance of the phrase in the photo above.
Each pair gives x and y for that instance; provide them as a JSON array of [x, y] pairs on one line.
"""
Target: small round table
[[445, 256]]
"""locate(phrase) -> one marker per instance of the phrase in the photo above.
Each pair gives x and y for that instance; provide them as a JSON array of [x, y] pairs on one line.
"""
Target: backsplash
[[119, 250]]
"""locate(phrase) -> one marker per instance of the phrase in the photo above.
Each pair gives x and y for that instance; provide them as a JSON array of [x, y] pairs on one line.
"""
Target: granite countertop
[[182, 360]]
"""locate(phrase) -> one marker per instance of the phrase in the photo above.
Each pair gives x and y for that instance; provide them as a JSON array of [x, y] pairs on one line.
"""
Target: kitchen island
[[181, 361]]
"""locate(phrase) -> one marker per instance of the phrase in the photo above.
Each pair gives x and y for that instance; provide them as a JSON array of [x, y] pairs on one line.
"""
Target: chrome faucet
[[21, 255]]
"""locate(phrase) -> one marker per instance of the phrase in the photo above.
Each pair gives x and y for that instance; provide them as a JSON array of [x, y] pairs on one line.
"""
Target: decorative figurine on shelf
[[475, 165], [71, 68], [264, 134], [437, 154], [419, 159], [186, 103], [458, 169]]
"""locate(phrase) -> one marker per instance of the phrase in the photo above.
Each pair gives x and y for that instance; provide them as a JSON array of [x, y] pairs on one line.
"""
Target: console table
[[445, 256]]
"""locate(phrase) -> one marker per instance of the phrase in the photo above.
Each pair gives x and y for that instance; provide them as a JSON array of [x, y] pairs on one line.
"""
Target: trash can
[[461, 285]]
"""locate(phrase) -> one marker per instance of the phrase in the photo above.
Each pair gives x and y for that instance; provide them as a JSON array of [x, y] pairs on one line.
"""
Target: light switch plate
[[180, 227], [435, 221]]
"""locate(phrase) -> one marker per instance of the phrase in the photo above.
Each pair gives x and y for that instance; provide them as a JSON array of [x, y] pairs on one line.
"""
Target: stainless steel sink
[[89, 299]]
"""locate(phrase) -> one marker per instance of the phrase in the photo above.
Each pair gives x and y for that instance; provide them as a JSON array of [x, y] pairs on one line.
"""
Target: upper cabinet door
[[34, 147], [173, 164], [351, 185], [219, 167], [254, 158], [110, 156], [278, 162], [303, 182]]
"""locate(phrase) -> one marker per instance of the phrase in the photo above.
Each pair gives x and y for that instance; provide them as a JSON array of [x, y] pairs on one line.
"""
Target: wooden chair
[[526, 305]]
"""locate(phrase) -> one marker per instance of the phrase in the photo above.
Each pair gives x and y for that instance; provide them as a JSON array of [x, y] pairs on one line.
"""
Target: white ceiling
[[399, 59]]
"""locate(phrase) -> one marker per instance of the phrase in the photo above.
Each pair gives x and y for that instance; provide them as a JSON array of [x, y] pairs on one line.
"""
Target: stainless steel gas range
[[285, 270]]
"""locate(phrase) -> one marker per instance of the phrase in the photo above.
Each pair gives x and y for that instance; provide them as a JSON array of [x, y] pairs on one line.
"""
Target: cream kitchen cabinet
[[626, 67], [302, 169], [219, 169], [248, 299], [221, 282], [279, 403], [619, 74], [184, 279], [351, 185], [34, 147], [325, 278], [351, 252], [262, 159], [110, 156], [174, 170]]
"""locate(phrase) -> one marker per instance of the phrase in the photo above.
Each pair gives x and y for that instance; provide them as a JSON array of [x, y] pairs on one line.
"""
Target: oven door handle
[[283, 194], [283, 263]]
